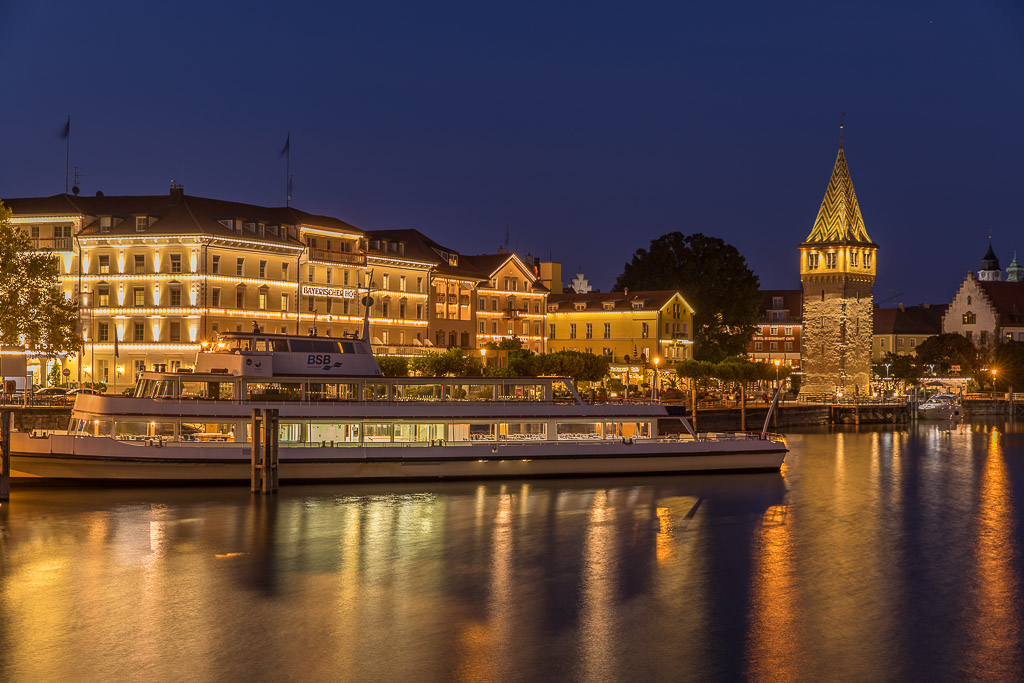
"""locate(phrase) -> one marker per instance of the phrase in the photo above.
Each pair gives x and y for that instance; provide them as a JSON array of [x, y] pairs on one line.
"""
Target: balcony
[[330, 256], [512, 313], [51, 243]]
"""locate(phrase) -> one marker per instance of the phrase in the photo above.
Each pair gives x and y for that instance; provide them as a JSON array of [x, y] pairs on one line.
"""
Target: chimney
[[177, 192], [900, 306]]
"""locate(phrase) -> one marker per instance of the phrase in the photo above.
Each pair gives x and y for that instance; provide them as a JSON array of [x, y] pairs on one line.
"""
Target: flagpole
[[288, 170], [67, 155]]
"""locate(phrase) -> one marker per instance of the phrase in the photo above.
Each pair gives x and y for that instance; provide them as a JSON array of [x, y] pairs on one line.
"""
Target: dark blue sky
[[589, 128]]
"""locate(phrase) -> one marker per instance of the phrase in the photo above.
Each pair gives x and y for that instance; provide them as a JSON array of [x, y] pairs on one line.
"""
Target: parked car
[[83, 390], [50, 392]]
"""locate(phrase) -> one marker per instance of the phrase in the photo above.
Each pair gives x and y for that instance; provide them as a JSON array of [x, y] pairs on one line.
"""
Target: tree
[[713, 277], [33, 311], [581, 367], [946, 350], [453, 362], [1008, 361], [393, 366]]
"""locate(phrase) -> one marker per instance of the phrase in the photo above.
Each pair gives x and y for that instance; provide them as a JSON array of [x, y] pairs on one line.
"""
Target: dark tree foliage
[[393, 366], [713, 277], [1008, 361], [453, 362], [946, 350], [907, 369]]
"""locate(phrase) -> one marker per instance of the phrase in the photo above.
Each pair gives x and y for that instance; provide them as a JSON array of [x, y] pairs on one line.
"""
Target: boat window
[[480, 392], [522, 392], [193, 390], [261, 345], [523, 431], [325, 346], [102, 427], [628, 430], [418, 392], [142, 430], [208, 431], [333, 433], [280, 345], [289, 432], [481, 432], [578, 431], [323, 391], [140, 388], [160, 388], [377, 432], [274, 391], [222, 391], [406, 431], [301, 345], [375, 392], [347, 347]]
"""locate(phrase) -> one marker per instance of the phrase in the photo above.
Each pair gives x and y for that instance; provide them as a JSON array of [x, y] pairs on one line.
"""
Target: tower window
[[853, 258], [812, 261], [867, 260], [831, 259]]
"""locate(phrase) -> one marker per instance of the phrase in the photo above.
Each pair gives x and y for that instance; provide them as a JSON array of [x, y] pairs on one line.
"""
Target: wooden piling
[[264, 460], [6, 417], [257, 452], [743, 406]]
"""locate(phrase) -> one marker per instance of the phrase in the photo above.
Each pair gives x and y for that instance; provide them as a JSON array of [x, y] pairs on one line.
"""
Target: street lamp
[[626, 358], [993, 384], [655, 383]]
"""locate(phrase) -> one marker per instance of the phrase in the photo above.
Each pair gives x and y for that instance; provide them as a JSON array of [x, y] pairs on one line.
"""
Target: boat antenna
[[367, 303]]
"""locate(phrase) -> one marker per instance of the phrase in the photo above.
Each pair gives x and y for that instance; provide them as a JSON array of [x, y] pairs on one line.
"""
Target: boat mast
[[367, 302]]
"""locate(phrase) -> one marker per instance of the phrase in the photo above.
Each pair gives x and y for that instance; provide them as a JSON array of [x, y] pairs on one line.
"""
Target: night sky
[[588, 129]]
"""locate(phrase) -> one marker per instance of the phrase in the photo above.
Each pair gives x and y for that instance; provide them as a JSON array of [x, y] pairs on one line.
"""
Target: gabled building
[[622, 326], [511, 302], [777, 333], [901, 329], [986, 311], [837, 271], [452, 282]]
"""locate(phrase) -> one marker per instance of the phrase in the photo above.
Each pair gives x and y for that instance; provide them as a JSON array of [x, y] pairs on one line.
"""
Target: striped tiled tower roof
[[839, 218]]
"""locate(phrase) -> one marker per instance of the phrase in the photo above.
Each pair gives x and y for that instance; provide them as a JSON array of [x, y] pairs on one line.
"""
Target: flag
[[65, 130], [287, 145]]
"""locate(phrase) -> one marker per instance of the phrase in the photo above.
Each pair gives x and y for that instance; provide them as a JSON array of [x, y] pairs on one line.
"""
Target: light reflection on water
[[877, 554]]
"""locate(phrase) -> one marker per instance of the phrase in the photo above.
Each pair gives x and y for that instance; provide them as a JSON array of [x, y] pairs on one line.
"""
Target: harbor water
[[879, 553]]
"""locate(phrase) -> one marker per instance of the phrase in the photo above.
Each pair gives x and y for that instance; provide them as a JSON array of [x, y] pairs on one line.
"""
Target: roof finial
[[842, 116]]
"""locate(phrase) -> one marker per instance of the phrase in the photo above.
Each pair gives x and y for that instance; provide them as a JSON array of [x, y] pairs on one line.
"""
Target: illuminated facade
[[837, 270], [163, 273], [511, 302], [777, 333], [627, 328], [900, 330]]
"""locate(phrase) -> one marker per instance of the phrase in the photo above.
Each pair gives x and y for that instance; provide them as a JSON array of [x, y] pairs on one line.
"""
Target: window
[[138, 297], [104, 223], [175, 296], [777, 302], [263, 268], [175, 331], [239, 266], [104, 263], [812, 261], [401, 286], [284, 270], [310, 304], [329, 271], [789, 331], [773, 331], [263, 300], [215, 297], [645, 330], [482, 304], [175, 263], [970, 318], [284, 302], [240, 298], [867, 259], [102, 332], [590, 330], [913, 343], [386, 283], [419, 312], [572, 330], [831, 259], [773, 346], [419, 285], [384, 309], [758, 346], [140, 264], [104, 297], [494, 304], [215, 264], [483, 326], [789, 346], [494, 327], [310, 273], [607, 330], [853, 258], [139, 330], [141, 223]]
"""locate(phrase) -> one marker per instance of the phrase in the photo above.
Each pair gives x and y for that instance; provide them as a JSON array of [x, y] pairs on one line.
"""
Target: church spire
[[839, 218]]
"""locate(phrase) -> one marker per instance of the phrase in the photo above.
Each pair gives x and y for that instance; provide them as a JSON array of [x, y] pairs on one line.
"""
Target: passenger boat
[[940, 407], [340, 419]]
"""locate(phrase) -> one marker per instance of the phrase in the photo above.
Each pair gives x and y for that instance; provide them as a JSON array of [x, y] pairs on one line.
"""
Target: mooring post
[[6, 417], [268, 479], [743, 406], [257, 452]]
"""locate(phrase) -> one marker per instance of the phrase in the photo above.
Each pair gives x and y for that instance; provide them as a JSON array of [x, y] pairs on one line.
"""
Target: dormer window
[[141, 223], [609, 305], [104, 223], [229, 224], [453, 259], [251, 227], [638, 305], [777, 302], [581, 306]]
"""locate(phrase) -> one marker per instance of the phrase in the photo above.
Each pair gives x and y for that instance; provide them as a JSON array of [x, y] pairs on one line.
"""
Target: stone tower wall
[[838, 321]]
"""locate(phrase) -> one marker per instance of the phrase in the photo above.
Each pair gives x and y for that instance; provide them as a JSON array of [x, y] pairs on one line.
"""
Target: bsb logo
[[319, 359]]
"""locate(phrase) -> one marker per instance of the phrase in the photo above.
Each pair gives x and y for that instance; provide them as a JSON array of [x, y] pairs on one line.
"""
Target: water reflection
[[879, 554]]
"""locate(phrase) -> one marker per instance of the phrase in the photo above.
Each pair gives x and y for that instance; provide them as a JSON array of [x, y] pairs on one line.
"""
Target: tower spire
[[842, 118]]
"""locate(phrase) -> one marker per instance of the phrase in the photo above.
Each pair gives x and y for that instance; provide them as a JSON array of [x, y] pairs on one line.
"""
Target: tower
[[837, 271], [990, 270], [1014, 271]]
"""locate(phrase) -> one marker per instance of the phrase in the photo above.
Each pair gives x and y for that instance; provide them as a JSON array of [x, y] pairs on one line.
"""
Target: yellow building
[[165, 272], [630, 329], [900, 330], [511, 303]]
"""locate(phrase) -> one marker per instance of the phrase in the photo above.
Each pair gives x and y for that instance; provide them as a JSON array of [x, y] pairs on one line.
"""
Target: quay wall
[[727, 419], [40, 418]]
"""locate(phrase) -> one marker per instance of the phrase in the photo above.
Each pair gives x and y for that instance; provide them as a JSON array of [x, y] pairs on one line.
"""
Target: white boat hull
[[65, 458]]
